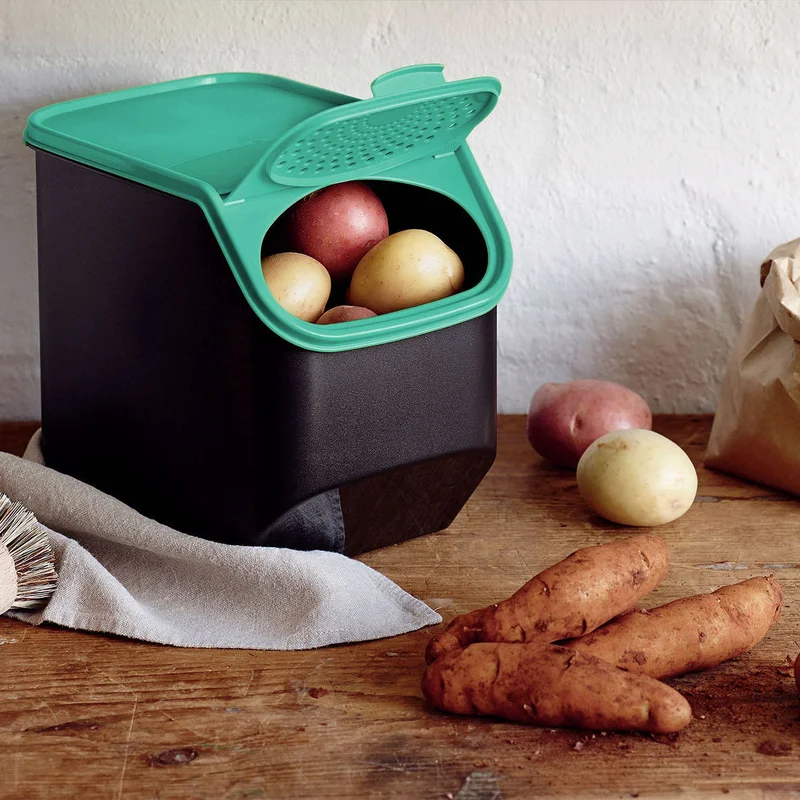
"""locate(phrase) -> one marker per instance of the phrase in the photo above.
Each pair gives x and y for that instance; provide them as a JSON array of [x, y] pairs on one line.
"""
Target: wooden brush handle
[[8, 580]]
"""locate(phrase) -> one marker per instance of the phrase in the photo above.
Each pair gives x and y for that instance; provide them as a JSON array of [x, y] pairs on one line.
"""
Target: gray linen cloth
[[122, 573]]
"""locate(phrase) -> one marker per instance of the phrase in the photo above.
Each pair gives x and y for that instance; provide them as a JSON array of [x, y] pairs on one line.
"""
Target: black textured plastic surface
[[162, 388]]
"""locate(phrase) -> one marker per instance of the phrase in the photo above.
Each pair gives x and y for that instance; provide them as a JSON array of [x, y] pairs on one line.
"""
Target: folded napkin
[[122, 573]]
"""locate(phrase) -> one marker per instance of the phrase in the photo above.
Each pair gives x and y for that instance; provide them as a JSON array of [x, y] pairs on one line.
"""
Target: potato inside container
[[413, 207]]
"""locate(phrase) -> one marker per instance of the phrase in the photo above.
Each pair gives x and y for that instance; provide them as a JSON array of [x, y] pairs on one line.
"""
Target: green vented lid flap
[[414, 113]]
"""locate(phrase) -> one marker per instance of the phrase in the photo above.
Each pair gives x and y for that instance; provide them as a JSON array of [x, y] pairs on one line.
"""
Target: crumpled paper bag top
[[756, 430]]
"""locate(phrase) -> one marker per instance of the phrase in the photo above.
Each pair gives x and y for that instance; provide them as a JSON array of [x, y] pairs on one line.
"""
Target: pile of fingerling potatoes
[[571, 648]]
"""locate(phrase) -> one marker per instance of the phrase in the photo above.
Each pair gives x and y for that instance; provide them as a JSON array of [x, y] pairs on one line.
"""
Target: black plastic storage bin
[[173, 381]]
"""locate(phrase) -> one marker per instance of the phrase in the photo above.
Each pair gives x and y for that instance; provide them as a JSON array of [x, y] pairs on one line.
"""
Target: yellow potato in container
[[406, 269], [299, 283]]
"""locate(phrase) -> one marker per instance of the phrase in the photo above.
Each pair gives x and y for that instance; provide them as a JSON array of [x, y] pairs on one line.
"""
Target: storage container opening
[[407, 207]]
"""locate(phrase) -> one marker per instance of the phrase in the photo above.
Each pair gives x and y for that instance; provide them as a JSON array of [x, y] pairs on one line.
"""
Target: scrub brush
[[27, 572]]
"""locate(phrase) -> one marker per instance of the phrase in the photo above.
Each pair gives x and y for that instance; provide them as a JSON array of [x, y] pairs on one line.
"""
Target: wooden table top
[[87, 715]]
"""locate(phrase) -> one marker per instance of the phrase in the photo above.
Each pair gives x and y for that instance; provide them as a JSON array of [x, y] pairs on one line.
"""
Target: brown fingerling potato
[[569, 599], [552, 686], [690, 634]]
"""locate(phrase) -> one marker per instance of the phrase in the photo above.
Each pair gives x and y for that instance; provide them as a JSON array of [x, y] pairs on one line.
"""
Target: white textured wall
[[645, 155]]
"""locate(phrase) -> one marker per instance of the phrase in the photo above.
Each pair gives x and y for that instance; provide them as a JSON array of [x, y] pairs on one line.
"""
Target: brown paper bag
[[756, 431]]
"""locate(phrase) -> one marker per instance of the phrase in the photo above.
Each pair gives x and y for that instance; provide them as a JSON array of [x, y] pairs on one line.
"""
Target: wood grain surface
[[93, 716]]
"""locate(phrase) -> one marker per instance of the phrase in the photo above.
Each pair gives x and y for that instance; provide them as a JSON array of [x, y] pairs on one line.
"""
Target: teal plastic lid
[[247, 146]]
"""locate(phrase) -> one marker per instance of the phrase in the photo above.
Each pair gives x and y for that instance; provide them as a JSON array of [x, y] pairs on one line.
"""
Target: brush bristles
[[29, 547]]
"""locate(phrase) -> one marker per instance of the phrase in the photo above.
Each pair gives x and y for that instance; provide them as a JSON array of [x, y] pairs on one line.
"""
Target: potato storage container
[[171, 378]]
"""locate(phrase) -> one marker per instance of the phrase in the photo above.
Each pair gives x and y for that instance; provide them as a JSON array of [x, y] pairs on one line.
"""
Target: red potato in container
[[345, 314], [565, 418], [337, 226]]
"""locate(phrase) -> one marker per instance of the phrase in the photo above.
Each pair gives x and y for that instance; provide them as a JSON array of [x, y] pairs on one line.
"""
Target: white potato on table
[[637, 477]]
